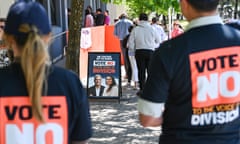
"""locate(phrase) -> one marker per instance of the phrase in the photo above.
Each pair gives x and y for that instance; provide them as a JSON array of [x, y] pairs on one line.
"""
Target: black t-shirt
[[197, 76], [66, 101], [99, 20]]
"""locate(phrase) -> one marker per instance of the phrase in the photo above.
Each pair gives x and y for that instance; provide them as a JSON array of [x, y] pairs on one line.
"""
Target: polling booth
[[96, 39]]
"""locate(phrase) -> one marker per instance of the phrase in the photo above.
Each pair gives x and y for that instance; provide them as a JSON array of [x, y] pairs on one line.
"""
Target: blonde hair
[[34, 59]]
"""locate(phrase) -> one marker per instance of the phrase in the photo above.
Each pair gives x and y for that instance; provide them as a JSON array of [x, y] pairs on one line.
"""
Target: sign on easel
[[104, 75]]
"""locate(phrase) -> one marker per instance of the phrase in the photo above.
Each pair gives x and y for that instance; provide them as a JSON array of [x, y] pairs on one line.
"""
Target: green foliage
[[147, 6], [113, 1]]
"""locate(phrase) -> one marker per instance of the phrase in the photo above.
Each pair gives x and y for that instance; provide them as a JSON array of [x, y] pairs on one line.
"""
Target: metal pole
[[49, 10], [236, 10]]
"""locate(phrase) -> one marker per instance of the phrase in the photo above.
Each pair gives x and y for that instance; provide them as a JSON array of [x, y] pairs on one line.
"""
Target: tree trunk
[[72, 52]]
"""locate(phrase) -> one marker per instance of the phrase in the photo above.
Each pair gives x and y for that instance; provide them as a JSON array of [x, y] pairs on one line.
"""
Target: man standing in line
[[160, 31], [193, 87], [99, 20], [97, 89], [143, 40], [121, 31]]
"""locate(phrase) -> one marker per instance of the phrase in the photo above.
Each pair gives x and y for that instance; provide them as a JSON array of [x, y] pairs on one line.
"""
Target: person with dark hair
[[129, 68], [143, 40], [91, 12], [133, 64], [90, 8], [193, 86], [99, 20], [111, 88], [160, 31], [132, 69], [89, 21], [39, 102], [107, 18]]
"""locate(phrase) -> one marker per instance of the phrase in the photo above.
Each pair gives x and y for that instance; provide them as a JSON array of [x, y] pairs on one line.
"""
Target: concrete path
[[117, 123]]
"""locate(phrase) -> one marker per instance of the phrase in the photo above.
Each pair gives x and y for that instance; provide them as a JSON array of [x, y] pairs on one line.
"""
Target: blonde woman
[[39, 103]]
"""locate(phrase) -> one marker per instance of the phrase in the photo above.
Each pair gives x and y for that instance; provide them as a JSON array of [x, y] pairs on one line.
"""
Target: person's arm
[[131, 41], [115, 32], [163, 35], [91, 20], [150, 114], [149, 121], [157, 37]]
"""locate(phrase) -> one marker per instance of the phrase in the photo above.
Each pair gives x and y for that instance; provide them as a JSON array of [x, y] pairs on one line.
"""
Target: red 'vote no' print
[[215, 76], [19, 126]]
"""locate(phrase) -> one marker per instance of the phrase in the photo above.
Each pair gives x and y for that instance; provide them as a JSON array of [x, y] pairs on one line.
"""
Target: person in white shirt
[[160, 31], [143, 40]]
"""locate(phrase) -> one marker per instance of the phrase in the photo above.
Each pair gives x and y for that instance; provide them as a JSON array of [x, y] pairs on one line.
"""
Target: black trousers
[[143, 58], [127, 64]]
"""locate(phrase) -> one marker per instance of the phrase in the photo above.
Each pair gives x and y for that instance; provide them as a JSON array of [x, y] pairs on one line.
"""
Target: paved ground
[[117, 123]]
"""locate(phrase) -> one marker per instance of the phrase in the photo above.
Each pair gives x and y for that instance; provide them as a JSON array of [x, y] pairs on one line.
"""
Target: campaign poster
[[104, 75]]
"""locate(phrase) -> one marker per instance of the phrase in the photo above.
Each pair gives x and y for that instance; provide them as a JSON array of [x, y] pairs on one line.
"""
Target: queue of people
[[99, 18], [143, 40], [189, 84], [138, 40], [121, 32]]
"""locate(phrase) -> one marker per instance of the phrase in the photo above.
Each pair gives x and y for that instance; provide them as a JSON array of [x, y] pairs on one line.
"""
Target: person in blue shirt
[[193, 86], [39, 103], [121, 31]]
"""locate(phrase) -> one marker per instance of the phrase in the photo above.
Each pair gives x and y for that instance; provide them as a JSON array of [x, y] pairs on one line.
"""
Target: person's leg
[[144, 65], [129, 68], [134, 71], [141, 67], [123, 49], [147, 58], [143, 58]]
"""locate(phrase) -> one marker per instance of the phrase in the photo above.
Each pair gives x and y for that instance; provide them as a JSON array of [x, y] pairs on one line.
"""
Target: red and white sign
[[215, 76], [18, 126]]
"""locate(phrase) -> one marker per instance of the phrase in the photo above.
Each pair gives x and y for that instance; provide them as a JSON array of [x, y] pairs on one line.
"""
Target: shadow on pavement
[[117, 123]]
